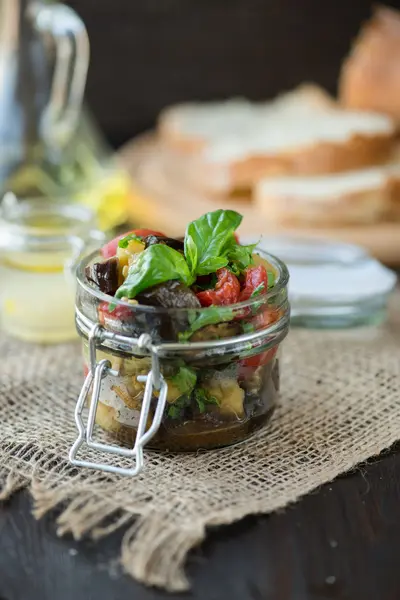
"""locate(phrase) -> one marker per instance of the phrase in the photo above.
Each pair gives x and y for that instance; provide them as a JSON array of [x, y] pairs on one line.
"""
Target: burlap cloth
[[340, 404]]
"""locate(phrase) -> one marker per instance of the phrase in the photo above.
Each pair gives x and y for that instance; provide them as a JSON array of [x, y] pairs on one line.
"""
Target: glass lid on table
[[332, 284], [180, 339]]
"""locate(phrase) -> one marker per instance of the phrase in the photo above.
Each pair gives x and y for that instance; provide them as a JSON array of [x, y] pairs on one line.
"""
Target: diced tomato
[[254, 277], [226, 291], [107, 317], [265, 317], [110, 249], [260, 359], [247, 366], [145, 232], [235, 235], [85, 370]]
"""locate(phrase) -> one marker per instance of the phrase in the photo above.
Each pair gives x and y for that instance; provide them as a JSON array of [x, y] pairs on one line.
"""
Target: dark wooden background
[[150, 53], [339, 543]]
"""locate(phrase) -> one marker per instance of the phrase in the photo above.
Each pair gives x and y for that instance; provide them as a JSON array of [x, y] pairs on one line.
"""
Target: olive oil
[[40, 243]]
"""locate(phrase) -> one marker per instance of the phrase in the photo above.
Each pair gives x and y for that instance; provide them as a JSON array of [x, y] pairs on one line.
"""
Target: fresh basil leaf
[[213, 264], [207, 316], [124, 242], [240, 257], [191, 253], [185, 379], [234, 269], [210, 233], [203, 397], [156, 264]]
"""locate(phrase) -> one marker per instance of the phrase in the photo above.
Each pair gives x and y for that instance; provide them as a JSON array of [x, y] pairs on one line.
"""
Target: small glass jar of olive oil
[[40, 242]]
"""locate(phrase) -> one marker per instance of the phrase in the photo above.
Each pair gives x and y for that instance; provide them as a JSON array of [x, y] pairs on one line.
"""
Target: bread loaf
[[370, 76], [229, 146], [356, 197]]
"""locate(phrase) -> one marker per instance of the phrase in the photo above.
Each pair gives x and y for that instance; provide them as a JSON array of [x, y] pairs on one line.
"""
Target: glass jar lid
[[332, 284]]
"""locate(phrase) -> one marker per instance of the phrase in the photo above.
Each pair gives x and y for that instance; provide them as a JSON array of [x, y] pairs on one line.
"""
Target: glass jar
[[40, 243], [177, 379]]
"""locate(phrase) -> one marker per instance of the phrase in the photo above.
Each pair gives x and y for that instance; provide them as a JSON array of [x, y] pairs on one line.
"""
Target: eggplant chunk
[[171, 294], [150, 240], [104, 275]]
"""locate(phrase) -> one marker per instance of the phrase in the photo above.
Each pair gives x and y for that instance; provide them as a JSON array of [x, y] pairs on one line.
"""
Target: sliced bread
[[233, 144], [352, 198], [192, 125], [370, 76]]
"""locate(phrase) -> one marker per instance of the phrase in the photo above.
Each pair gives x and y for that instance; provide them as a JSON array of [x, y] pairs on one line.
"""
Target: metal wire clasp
[[98, 370]]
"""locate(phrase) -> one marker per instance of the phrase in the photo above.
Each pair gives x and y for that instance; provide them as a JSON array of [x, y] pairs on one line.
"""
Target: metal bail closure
[[154, 380]]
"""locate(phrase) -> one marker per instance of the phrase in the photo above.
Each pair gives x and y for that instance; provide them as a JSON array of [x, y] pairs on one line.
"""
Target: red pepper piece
[[260, 359], [110, 249], [254, 276], [247, 366], [145, 232], [226, 291], [107, 316], [265, 317]]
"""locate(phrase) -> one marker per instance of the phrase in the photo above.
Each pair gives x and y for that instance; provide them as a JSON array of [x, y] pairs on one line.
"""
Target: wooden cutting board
[[161, 202]]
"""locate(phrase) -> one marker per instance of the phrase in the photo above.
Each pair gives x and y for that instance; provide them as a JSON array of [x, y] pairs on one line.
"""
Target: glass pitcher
[[49, 146]]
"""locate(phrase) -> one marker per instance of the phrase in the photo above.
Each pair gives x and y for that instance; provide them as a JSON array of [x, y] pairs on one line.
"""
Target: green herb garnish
[[199, 395], [239, 257], [202, 397], [176, 409], [185, 379], [248, 327], [209, 316], [260, 289], [124, 242]]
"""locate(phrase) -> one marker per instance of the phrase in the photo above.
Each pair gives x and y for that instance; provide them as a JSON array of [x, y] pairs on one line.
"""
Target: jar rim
[[281, 283]]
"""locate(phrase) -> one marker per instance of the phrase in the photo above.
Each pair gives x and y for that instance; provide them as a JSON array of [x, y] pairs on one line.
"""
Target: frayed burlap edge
[[151, 551]]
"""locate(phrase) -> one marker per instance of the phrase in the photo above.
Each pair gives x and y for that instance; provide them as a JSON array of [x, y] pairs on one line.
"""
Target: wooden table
[[342, 542]]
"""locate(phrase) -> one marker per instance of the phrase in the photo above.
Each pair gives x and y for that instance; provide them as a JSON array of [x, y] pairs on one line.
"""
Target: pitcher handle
[[71, 64]]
